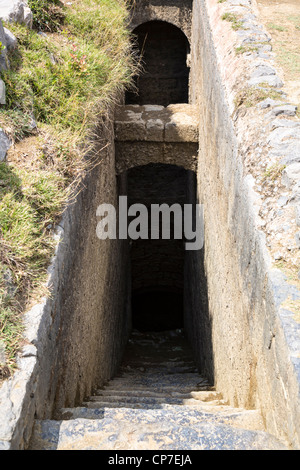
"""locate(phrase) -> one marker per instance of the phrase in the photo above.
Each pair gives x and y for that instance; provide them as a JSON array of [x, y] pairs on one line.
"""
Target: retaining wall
[[250, 335]]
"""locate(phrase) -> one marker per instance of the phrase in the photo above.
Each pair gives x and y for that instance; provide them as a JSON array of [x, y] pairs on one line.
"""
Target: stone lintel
[[154, 123], [132, 154]]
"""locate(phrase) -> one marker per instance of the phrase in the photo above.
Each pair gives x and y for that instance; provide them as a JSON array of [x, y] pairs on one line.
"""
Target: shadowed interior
[[162, 49]]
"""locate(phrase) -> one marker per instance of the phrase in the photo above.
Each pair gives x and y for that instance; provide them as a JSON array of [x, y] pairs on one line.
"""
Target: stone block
[[287, 110], [16, 11], [5, 143], [11, 40], [291, 175], [270, 80], [152, 123], [2, 92]]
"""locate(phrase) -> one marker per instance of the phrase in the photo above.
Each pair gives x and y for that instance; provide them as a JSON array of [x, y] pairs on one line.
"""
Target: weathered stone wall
[[253, 339], [75, 338], [176, 12], [197, 321], [92, 293]]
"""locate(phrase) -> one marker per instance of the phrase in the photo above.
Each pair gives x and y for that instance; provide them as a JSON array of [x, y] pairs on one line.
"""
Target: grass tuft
[[233, 19], [250, 96]]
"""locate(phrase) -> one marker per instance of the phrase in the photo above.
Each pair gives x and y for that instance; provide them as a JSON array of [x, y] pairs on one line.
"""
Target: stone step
[[159, 377], [156, 388], [140, 362], [150, 404], [156, 402], [152, 400], [198, 395], [166, 370], [239, 418], [159, 384], [113, 434]]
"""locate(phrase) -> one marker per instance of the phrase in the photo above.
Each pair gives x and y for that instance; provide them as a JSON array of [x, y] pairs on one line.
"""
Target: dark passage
[[157, 310], [168, 283], [162, 49], [157, 266]]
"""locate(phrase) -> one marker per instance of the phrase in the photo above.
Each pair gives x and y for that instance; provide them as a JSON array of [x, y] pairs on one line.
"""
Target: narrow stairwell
[[158, 401]]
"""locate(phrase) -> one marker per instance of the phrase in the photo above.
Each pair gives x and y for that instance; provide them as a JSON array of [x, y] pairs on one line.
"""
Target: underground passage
[[145, 344], [163, 308], [157, 265]]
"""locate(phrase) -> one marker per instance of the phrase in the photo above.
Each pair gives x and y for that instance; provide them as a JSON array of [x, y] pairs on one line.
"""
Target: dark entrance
[[157, 265], [163, 50]]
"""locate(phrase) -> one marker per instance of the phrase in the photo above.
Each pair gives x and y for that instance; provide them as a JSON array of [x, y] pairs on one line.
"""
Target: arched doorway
[[163, 49]]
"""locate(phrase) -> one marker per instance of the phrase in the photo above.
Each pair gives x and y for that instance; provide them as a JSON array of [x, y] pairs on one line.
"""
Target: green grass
[[233, 19], [66, 78], [30, 201], [47, 15], [276, 27], [294, 19], [244, 49], [273, 172]]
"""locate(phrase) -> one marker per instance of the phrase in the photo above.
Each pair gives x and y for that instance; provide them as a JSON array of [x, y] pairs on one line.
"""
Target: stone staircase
[[158, 401]]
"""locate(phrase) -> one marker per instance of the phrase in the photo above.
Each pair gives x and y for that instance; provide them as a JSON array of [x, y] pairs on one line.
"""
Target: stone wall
[[92, 294], [176, 12], [254, 338], [75, 338]]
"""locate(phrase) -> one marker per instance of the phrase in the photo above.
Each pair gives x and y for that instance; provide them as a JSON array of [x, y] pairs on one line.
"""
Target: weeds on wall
[[63, 75]]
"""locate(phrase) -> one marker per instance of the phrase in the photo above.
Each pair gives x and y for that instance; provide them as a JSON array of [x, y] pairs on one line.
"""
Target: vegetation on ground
[[63, 75], [233, 19]]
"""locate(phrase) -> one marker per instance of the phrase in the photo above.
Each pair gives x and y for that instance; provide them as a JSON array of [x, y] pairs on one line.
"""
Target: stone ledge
[[153, 123]]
